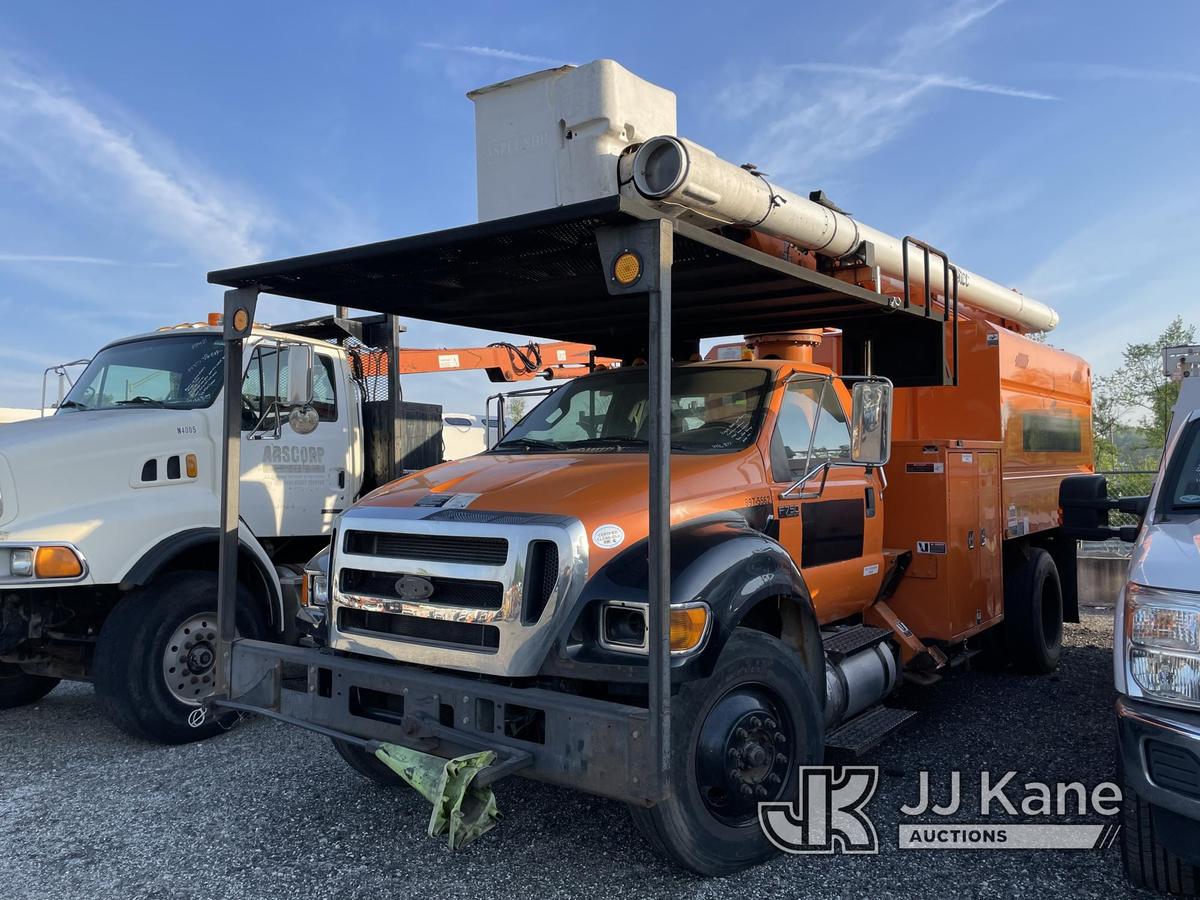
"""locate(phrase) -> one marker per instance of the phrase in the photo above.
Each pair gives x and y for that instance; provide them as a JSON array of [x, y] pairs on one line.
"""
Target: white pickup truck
[[109, 508], [1157, 660]]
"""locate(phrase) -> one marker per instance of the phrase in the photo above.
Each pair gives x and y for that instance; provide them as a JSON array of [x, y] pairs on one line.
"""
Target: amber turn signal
[[688, 625], [57, 562]]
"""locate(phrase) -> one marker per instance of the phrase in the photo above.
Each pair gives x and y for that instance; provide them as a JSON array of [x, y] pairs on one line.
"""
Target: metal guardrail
[[1128, 483]]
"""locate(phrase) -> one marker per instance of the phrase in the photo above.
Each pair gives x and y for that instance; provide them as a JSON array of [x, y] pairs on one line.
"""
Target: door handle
[[341, 478], [870, 502]]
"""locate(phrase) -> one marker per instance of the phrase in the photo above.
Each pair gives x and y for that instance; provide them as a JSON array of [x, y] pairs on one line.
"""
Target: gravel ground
[[271, 811]]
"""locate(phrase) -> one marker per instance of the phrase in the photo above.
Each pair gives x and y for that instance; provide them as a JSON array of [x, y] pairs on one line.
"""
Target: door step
[[853, 639], [867, 729]]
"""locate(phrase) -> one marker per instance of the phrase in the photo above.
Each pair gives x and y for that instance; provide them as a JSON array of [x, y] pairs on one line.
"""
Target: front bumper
[[1160, 756], [596, 746]]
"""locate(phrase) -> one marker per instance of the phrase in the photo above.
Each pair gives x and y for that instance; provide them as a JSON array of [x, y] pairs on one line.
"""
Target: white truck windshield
[[713, 410], [1182, 488], [181, 371]]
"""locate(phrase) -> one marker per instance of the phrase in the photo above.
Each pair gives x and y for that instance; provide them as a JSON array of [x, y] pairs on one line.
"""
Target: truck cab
[[108, 512]]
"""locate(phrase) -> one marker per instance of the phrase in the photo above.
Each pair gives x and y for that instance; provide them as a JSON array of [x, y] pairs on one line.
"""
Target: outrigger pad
[[461, 811]]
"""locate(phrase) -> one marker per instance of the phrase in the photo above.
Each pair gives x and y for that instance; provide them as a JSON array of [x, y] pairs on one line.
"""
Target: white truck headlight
[[316, 580], [1162, 643], [20, 563]]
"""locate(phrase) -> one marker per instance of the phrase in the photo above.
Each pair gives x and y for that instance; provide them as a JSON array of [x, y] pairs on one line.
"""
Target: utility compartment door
[[836, 537], [973, 482]]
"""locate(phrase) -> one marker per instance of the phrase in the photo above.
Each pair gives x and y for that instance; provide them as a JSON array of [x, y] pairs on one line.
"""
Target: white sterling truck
[[109, 507]]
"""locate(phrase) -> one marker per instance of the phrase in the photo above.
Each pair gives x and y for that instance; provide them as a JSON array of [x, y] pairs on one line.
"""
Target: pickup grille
[[446, 591], [465, 634], [484, 551]]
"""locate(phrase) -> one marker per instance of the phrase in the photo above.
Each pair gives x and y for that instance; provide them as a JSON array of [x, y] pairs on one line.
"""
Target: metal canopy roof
[[540, 274]]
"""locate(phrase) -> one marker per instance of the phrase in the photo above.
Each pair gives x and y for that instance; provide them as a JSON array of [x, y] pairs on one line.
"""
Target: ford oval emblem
[[413, 587]]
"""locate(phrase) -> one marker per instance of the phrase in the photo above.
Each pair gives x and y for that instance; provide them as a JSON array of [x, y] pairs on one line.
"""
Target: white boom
[[673, 171]]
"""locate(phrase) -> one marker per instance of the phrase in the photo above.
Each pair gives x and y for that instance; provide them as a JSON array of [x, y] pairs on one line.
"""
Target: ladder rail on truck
[[122, 485], [660, 592]]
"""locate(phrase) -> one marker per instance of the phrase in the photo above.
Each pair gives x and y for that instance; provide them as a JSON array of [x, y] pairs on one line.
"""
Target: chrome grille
[[483, 551]]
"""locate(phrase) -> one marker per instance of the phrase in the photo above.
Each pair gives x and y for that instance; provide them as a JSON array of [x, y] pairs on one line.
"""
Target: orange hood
[[599, 489]]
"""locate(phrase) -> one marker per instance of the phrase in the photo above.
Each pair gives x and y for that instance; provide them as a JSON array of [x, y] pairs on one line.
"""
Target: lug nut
[[741, 734], [747, 790], [733, 753], [780, 758], [780, 737], [769, 724], [755, 722], [775, 779]]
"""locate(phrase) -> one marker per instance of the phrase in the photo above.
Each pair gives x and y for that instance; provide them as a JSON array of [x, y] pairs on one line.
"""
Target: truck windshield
[[713, 410], [181, 371], [1182, 488]]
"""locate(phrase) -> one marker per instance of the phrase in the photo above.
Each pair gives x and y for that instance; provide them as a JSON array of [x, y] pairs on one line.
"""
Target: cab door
[[832, 526], [293, 484]]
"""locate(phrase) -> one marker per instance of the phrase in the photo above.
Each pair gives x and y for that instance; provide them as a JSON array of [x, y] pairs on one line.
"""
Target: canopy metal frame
[[549, 274]]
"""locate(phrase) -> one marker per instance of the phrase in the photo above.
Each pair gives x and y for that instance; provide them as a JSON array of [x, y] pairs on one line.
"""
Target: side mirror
[[871, 422], [299, 361]]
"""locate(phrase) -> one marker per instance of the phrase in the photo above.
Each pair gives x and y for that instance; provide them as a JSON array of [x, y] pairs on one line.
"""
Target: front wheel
[[738, 739], [1148, 864], [18, 688], [156, 657]]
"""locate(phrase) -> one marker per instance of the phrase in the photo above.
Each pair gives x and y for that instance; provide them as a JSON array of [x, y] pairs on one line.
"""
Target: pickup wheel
[[737, 740], [366, 764], [18, 688], [1033, 614], [156, 656], [1148, 864]]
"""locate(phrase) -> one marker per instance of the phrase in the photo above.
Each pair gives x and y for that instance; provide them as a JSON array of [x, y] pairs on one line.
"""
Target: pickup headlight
[[315, 589], [1162, 643]]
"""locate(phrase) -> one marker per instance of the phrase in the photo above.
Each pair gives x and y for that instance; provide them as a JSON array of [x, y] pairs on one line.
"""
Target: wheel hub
[[744, 753], [189, 659]]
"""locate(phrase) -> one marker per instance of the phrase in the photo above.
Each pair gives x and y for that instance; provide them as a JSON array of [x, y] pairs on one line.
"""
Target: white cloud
[[80, 260], [833, 121], [493, 53], [927, 80], [47, 131]]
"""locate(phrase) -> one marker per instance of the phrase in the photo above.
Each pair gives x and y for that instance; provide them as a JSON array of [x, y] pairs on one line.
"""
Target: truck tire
[[366, 764], [165, 630], [1033, 614], [758, 689], [18, 688], [1148, 864]]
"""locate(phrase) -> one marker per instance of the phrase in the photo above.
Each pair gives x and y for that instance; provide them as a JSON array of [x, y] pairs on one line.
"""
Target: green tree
[[1131, 408]]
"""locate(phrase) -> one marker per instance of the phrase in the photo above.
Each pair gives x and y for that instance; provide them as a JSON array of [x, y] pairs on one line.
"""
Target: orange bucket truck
[[675, 581]]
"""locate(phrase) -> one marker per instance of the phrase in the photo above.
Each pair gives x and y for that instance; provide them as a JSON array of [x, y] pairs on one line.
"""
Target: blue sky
[[1050, 146]]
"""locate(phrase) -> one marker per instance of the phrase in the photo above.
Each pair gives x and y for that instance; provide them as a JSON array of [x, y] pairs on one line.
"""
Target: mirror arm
[[823, 468]]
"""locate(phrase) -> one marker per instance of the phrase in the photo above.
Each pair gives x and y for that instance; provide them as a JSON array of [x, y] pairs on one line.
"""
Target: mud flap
[[461, 810]]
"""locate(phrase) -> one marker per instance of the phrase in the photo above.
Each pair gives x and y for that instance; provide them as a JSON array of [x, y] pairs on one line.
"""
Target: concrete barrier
[[1101, 579]]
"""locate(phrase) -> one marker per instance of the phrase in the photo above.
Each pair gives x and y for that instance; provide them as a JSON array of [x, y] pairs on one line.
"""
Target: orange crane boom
[[503, 362]]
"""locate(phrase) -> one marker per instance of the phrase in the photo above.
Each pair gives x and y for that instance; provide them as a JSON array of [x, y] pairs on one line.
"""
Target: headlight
[[316, 580], [1162, 643], [623, 626]]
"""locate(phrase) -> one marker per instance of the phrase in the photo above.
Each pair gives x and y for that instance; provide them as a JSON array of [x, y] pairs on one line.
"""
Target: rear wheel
[[157, 653], [738, 738], [366, 764], [18, 688], [1033, 614]]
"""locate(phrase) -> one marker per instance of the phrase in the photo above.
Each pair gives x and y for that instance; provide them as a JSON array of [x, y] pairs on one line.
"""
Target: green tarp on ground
[[461, 811]]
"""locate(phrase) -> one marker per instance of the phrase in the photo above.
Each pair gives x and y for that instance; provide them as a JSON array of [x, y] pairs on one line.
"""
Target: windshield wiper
[[141, 401], [72, 404], [529, 444], [609, 442]]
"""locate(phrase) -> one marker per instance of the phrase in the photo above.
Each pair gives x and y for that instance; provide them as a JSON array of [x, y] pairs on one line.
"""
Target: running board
[[842, 643], [867, 729]]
